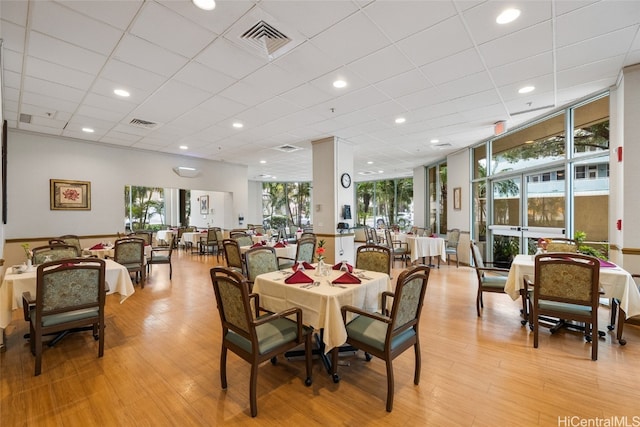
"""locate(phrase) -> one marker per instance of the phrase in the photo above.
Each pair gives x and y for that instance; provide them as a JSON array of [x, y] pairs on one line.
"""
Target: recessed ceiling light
[[400, 120], [205, 4], [263, 161], [184, 147], [237, 125], [88, 130], [380, 171], [434, 141], [369, 162], [121, 92], [507, 16], [273, 177], [526, 89], [339, 84]]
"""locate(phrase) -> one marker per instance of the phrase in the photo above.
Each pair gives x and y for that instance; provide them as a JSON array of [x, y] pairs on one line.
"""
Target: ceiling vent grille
[[288, 148], [25, 118], [143, 124], [442, 145], [531, 110], [265, 38], [366, 173]]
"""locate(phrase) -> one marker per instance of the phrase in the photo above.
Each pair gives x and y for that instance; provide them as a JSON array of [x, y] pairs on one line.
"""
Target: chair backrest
[[73, 240], [244, 240], [54, 252], [260, 260], [388, 238], [409, 297], [477, 255], [129, 250], [147, 236], [572, 279], [70, 285], [306, 234], [306, 249], [372, 238], [374, 258], [237, 233], [232, 297], [560, 244], [219, 235], [232, 253], [453, 238], [211, 235]]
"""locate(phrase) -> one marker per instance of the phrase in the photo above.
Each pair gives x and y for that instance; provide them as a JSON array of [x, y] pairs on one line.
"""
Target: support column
[[332, 159]]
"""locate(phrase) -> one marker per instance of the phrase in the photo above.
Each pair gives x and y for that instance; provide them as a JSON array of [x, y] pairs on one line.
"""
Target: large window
[[144, 208], [388, 202], [437, 198], [286, 204]]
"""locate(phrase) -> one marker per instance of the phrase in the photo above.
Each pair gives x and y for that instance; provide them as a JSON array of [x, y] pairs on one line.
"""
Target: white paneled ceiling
[[445, 66]]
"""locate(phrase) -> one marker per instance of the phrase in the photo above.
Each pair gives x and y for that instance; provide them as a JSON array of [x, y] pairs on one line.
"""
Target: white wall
[[254, 213], [34, 159], [420, 196]]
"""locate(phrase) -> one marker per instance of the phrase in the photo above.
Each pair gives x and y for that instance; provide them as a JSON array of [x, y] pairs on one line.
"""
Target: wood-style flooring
[[161, 368]]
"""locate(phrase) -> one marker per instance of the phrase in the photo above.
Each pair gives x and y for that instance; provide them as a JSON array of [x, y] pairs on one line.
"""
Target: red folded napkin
[[347, 279], [96, 247], [298, 277], [305, 264], [258, 234], [257, 245], [349, 267], [279, 245], [606, 264]]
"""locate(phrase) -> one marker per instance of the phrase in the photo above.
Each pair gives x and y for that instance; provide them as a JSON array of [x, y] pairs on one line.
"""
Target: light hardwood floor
[[161, 368]]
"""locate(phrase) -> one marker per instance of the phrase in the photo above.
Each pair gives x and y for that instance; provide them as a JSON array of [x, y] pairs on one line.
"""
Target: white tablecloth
[[426, 247], [288, 251], [193, 237], [164, 235], [321, 304], [616, 283], [110, 252], [116, 277]]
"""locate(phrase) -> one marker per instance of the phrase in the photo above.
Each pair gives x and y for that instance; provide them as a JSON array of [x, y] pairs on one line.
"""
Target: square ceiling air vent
[[288, 148], [143, 124], [265, 38], [25, 118]]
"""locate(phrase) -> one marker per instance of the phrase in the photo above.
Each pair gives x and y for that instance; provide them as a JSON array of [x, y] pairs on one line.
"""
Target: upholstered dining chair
[[243, 240], [388, 336], [70, 294], [374, 258], [451, 245], [490, 279], [304, 253], [252, 335], [560, 244], [566, 287], [145, 235], [209, 245], [398, 249], [130, 253], [233, 255], [73, 240], [162, 255], [616, 308], [54, 252], [260, 260]]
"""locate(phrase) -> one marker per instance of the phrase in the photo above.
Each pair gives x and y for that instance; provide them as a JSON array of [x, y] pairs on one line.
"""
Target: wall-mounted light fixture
[[186, 171]]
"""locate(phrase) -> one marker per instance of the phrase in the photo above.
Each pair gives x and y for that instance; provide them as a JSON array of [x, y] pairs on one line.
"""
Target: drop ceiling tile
[[226, 58], [524, 70], [204, 78], [49, 123], [60, 22], [108, 103], [65, 54], [453, 67], [467, 85], [14, 11], [515, 47], [145, 55], [11, 94], [246, 94], [12, 60], [380, 65], [404, 84], [105, 87], [131, 77], [176, 33], [116, 13], [170, 101], [612, 44], [12, 36], [100, 113], [38, 111], [221, 108], [11, 79], [306, 95], [47, 102], [217, 20], [422, 98], [427, 46], [607, 69], [59, 74], [307, 62]]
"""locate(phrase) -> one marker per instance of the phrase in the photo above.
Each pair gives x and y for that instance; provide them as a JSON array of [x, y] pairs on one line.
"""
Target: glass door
[[521, 214]]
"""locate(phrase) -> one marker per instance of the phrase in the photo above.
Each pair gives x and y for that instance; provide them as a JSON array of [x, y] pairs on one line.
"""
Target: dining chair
[[145, 235], [260, 260], [73, 240], [129, 252], [237, 233], [561, 244], [209, 244], [398, 249], [54, 252], [617, 308], [243, 240], [388, 336], [566, 287], [233, 255], [253, 335], [70, 294], [451, 245], [490, 279], [162, 255], [374, 258], [305, 252]]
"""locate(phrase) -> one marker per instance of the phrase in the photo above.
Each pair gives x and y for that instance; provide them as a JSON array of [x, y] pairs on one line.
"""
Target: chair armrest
[[27, 303], [284, 258], [349, 308], [285, 313], [401, 244], [493, 270], [383, 301], [256, 303]]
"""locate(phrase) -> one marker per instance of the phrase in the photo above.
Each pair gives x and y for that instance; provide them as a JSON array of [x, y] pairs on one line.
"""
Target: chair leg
[[253, 385], [416, 375], [621, 320], [478, 301], [170, 271], [389, 385], [101, 339], [308, 354], [38, 349], [334, 364], [223, 367]]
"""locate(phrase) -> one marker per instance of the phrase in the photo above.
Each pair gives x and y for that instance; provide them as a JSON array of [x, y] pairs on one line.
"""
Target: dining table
[[321, 301], [614, 281], [108, 251], [423, 246], [193, 238], [287, 251], [165, 235], [117, 279]]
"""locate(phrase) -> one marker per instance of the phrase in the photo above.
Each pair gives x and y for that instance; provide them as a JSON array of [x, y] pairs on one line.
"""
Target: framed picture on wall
[[457, 198], [70, 195], [204, 205]]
